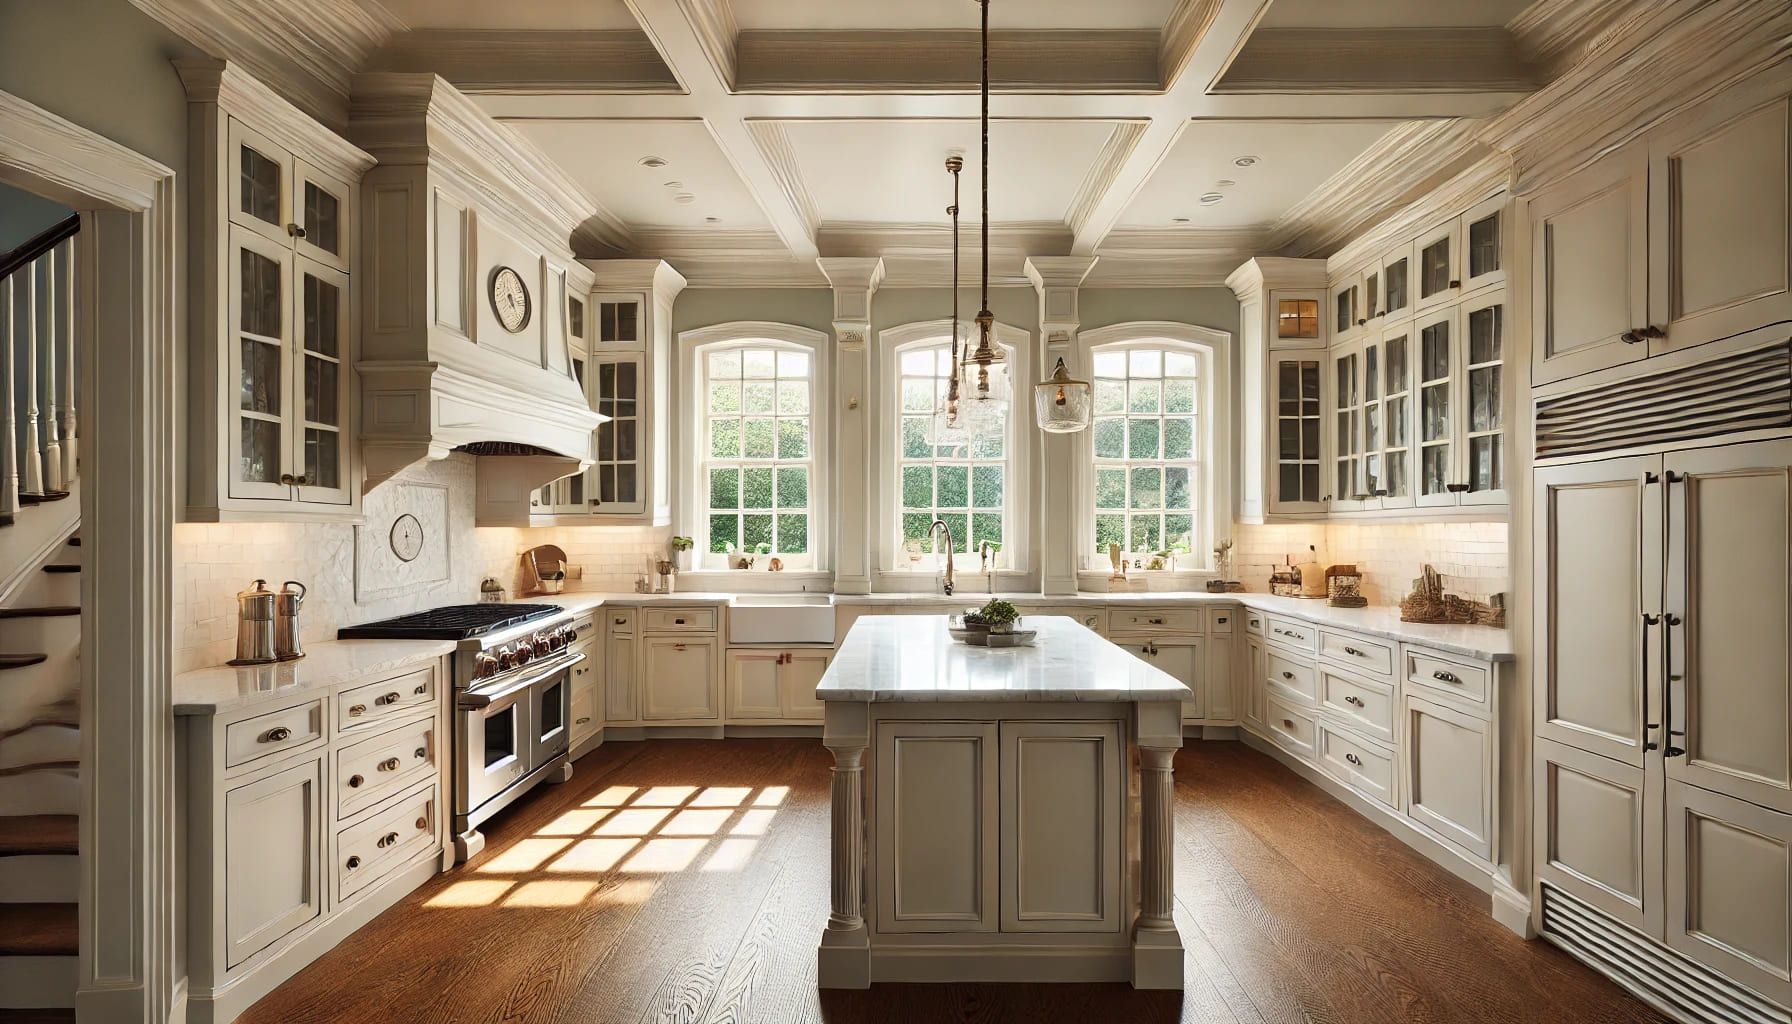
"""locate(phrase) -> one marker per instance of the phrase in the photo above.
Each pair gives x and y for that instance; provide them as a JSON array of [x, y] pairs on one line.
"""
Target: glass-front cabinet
[[1346, 484], [616, 475], [1461, 400], [272, 239], [1297, 426]]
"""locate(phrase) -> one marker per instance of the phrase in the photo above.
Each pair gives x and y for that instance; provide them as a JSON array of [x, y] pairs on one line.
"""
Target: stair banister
[[9, 443]]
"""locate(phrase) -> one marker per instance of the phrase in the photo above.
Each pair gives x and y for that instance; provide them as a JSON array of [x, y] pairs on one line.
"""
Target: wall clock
[[407, 537], [510, 299]]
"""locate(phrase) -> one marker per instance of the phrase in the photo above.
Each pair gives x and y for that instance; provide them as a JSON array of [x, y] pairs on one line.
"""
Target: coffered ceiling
[[784, 130]]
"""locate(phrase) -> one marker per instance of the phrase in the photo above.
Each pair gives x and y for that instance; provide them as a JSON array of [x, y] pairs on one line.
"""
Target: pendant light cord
[[985, 314], [954, 164]]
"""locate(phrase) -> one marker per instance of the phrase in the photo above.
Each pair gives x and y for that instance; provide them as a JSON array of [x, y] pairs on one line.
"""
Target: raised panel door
[[1449, 782], [753, 684], [1729, 621], [678, 679], [1181, 660], [935, 846], [1597, 607], [1256, 685], [273, 858], [1729, 887], [1720, 226], [622, 697], [1061, 839], [797, 680], [1598, 831], [1589, 268], [1217, 681]]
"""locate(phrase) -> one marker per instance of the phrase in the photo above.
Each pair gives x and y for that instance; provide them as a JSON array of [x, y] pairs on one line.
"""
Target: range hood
[[467, 245]]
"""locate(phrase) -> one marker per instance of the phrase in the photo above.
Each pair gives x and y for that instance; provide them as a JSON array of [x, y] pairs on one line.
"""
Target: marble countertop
[[912, 658], [331, 663]]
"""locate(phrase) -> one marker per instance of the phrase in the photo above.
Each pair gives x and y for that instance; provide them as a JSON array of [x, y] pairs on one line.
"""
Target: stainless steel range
[[512, 699]]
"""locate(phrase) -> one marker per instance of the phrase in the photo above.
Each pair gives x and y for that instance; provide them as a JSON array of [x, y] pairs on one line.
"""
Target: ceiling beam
[[526, 62], [1379, 60]]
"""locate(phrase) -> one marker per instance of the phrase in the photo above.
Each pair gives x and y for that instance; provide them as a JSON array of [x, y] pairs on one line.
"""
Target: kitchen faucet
[[940, 524]]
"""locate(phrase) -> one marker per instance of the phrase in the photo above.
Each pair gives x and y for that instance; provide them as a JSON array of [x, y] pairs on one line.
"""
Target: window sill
[[756, 581], [1095, 581]]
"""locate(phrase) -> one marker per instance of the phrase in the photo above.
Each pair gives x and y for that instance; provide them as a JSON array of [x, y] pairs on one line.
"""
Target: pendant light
[[986, 393], [1062, 403], [949, 427]]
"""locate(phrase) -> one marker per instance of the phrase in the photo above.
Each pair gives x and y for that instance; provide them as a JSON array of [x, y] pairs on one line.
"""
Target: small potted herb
[[999, 615], [681, 552]]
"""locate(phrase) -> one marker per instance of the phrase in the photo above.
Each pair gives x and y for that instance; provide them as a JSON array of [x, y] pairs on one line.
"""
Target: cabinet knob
[[354, 781], [388, 839], [678, 647], [1287, 675], [420, 752], [1456, 284], [422, 824], [1156, 622], [1360, 323], [1353, 652], [1287, 723], [388, 698], [301, 480], [288, 479], [390, 764], [1353, 759], [353, 863], [279, 735], [1456, 488], [1631, 337], [582, 721], [296, 230], [1358, 701], [1448, 677]]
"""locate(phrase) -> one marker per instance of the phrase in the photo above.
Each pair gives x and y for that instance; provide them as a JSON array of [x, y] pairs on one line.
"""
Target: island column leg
[[844, 958], [1157, 946]]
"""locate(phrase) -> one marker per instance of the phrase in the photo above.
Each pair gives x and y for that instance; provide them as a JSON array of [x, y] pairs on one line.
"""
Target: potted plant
[[999, 615], [681, 552]]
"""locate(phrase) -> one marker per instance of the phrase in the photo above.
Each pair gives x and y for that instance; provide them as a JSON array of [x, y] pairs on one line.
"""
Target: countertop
[[224, 688], [912, 658]]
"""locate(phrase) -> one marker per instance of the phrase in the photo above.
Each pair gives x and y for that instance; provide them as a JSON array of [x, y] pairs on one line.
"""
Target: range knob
[[568, 635], [507, 659], [524, 652], [485, 665]]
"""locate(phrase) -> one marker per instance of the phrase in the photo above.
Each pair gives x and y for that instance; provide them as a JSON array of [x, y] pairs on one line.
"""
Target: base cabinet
[[622, 698], [774, 686], [680, 677], [273, 858], [1449, 774]]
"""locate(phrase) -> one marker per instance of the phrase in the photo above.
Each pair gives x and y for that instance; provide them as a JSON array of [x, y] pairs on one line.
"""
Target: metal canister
[[286, 620], [255, 625]]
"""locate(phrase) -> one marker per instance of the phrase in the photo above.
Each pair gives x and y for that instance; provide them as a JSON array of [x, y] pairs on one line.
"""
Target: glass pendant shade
[[1062, 404]]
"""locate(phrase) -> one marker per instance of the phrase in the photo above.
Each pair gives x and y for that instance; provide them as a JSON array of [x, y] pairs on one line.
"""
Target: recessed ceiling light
[[1225, 183], [1210, 198], [1245, 161], [673, 185], [1179, 220], [684, 199], [653, 161]]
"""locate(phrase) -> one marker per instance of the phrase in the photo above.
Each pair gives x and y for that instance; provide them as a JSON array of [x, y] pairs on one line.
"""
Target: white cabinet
[[1061, 839], [272, 337], [587, 692], [273, 858], [1296, 425], [775, 685], [1449, 777], [1256, 681], [1388, 456], [1460, 398], [1347, 427], [1283, 316], [1728, 869], [1589, 267], [678, 676], [1183, 660], [935, 852], [622, 698]]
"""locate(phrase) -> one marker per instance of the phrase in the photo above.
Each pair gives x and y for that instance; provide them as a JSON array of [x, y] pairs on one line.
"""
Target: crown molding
[[1483, 179], [229, 85], [1410, 159], [1661, 58], [306, 50], [1256, 275], [1174, 241], [420, 119], [718, 33], [739, 243], [1187, 26], [1378, 60], [1162, 270], [1023, 61], [1103, 171], [1555, 34], [479, 61], [780, 156]]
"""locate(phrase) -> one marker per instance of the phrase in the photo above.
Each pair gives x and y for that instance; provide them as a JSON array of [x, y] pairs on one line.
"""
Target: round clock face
[[407, 537], [510, 299]]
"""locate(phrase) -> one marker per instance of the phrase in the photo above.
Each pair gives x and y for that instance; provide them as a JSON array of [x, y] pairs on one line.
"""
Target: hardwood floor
[[687, 881]]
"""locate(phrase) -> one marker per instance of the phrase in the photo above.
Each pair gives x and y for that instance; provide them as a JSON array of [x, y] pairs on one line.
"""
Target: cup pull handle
[[357, 710], [277, 735], [353, 863], [1353, 759], [1448, 677]]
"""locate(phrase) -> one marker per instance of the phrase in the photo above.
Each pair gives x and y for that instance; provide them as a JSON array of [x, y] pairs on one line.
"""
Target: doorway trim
[[125, 279]]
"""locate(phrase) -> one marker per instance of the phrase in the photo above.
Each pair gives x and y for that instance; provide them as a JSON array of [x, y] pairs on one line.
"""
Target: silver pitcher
[[286, 621], [255, 625]]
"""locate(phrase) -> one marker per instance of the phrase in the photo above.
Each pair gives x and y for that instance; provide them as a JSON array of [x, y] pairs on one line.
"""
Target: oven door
[[495, 750], [550, 710]]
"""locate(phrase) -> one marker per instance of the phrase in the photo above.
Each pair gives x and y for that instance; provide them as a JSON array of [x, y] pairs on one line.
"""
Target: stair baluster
[[31, 462], [65, 257], [9, 442], [49, 327]]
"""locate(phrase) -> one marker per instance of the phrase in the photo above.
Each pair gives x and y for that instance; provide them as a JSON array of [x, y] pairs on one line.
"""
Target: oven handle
[[475, 701]]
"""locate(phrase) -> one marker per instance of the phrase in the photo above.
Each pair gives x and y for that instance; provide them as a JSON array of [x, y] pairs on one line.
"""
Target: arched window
[[1157, 474], [756, 442]]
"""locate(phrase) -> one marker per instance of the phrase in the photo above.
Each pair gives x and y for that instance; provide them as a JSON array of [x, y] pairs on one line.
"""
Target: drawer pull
[[582, 721], [388, 839], [390, 698], [421, 752], [353, 863], [678, 647], [422, 688], [390, 764], [678, 622], [356, 710], [277, 735], [354, 781], [1350, 699], [621, 622], [1287, 675], [1155, 621], [422, 824], [1222, 620], [1353, 652], [1353, 759], [1448, 677], [1287, 723]]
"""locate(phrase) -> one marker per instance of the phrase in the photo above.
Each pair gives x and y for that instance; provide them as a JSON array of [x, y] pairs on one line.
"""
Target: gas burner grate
[[454, 622]]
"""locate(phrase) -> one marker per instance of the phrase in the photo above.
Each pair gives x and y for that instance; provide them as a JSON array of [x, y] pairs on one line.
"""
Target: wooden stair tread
[[62, 567], [39, 499], [44, 612], [38, 834], [39, 929], [22, 660]]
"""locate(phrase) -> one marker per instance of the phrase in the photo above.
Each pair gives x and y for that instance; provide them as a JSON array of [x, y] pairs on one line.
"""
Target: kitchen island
[[985, 825]]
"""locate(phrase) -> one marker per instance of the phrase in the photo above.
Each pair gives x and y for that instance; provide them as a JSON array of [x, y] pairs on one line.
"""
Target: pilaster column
[[843, 960], [854, 280], [1062, 469], [1157, 839]]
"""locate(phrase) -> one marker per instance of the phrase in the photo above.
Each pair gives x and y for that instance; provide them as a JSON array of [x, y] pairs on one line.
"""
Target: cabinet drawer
[[386, 699], [681, 620], [586, 630], [1363, 766], [1293, 728], [1362, 655], [1292, 679], [1253, 622], [1290, 633], [1220, 620], [379, 766], [1367, 707], [584, 713], [1465, 682], [275, 732], [370, 849], [1154, 620], [620, 620]]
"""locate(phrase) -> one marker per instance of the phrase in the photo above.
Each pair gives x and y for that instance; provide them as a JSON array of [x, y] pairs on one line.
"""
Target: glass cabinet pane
[[1434, 407], [323, 458], [1297, 318], [322, 219], [617, 395], [1394, 285], [575, 318], [260, 186], [1298, 413], [1372, 295], [1484, 246], [262, 296], [1396, 417], [1346, 301], [1434, 268], [260, 458], [618, 321], [1485, 398]]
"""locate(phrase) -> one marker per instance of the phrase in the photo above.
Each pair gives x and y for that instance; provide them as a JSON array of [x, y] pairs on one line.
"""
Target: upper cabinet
[[1681, 238], [272, 427], [627, 379], [1285, 317]]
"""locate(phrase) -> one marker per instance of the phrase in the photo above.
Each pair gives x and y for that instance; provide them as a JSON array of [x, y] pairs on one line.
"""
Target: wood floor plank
[[1293, 910]]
